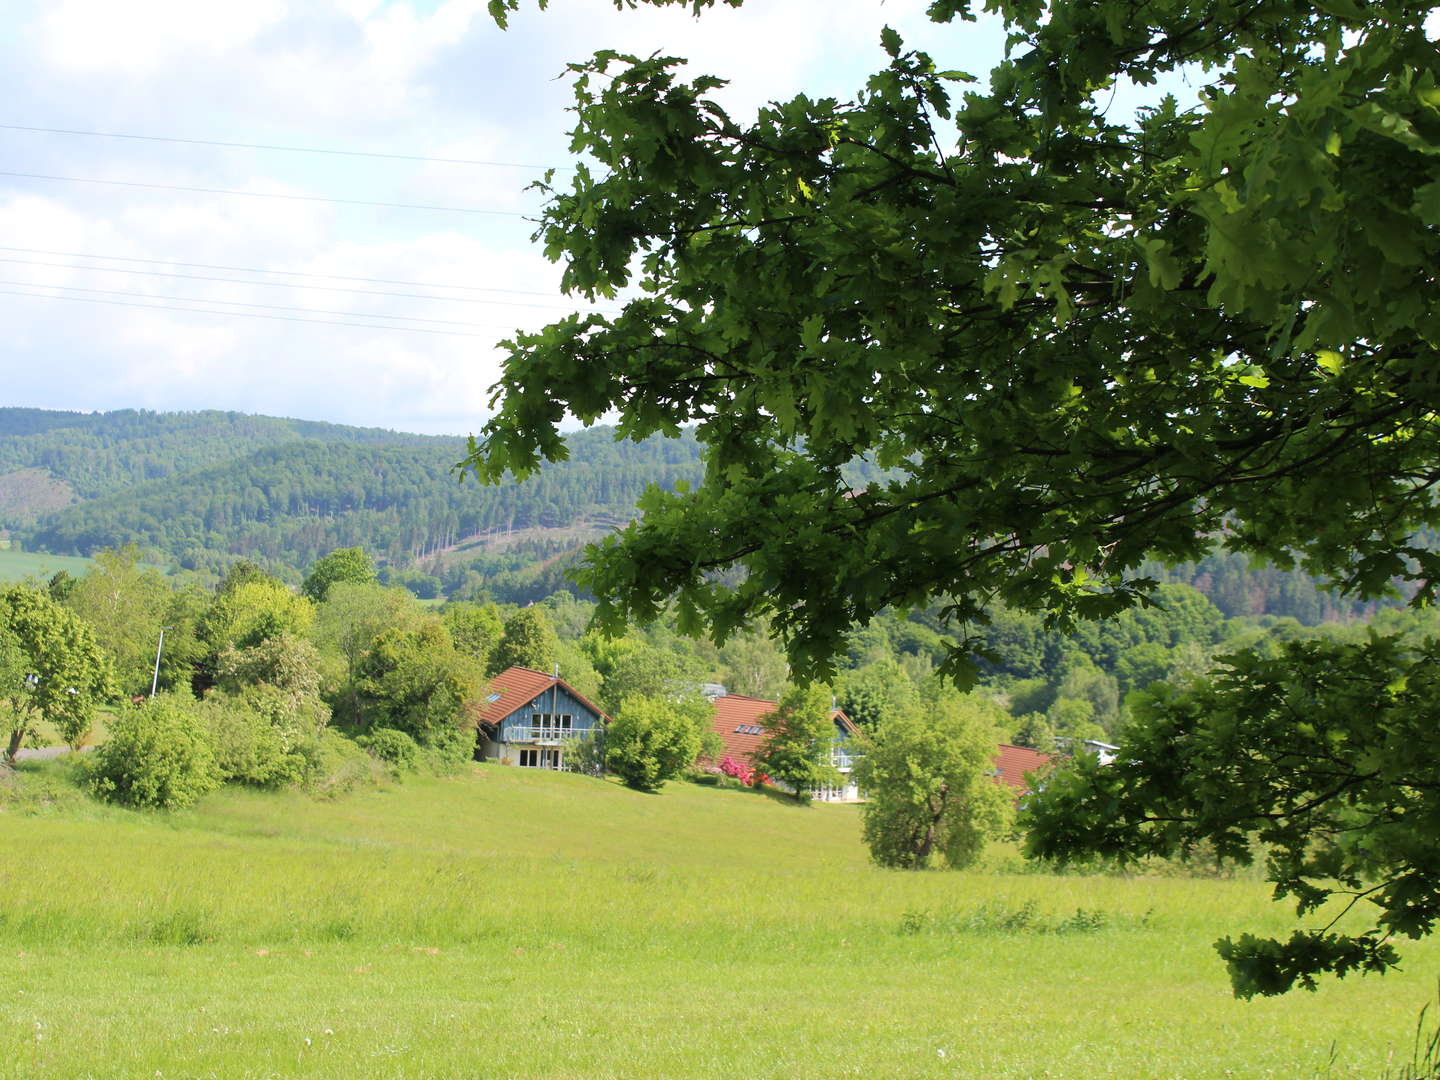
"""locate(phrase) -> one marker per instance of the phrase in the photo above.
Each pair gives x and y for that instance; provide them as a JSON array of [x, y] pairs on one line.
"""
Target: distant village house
[[739, 721], [532, 719]]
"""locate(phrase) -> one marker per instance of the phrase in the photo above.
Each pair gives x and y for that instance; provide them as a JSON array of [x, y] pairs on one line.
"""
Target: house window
[[530, 759], [551, 721]]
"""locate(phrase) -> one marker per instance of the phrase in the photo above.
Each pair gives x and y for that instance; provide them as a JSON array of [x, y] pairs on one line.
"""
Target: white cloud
[[397, 76], [143, 35]]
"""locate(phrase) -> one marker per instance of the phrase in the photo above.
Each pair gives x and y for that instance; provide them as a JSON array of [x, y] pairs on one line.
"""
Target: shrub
[[248, 746], [335, 765], [653, 739], [586, 755], [395, 748], [158, 755]]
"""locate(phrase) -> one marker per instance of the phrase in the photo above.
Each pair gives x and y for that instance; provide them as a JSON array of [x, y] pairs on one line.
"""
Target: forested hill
[[96, 454], [202, 489]]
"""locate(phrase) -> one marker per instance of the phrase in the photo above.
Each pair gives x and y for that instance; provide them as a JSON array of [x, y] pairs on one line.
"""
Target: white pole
[[155, 678]]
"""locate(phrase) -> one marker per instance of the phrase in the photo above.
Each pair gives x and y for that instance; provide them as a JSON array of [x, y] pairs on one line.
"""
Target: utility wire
[[288, 285], [283, 149], [262, 270], [243, 314], [241, 303], [268, 195]]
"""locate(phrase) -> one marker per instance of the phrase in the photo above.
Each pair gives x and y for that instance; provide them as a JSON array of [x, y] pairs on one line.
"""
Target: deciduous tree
[[799, 740], [655, 739], [1321, 760], [54, 671], [124, 603], [1075, 338], [529, 641], [352, 565], [928, 777]]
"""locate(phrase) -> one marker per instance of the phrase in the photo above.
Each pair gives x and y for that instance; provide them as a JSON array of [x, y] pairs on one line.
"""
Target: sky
[[100, 277]]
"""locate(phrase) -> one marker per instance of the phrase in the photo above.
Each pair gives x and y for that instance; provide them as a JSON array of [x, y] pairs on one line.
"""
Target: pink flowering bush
[[737, 769], [742, 772]]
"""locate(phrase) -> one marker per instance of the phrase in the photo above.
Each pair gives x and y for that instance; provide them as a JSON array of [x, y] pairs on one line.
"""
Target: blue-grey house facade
[[531, 719]]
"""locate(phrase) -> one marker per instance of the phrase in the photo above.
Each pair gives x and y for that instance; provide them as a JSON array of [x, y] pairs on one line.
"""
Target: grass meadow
[[18, 565], [515, 923]]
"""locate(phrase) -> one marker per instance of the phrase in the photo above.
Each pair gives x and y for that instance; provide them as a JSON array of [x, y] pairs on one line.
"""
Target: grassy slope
[[516, 923], [17, 565]]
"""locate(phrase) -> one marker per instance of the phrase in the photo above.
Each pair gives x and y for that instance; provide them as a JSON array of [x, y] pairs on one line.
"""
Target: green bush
[[158, 755], [653, 740], [395, 748], [335, 765], [249, 747]]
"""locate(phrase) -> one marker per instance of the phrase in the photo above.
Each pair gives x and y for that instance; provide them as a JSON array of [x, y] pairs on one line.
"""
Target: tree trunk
[[16, 738], [926, 846]]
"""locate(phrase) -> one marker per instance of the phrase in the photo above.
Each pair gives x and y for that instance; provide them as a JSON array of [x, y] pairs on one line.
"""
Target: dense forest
[[202, 490], [199, 491]]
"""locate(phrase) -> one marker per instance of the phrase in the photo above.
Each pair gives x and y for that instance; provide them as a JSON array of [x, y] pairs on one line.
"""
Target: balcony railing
[[544, 734], [844, 762]]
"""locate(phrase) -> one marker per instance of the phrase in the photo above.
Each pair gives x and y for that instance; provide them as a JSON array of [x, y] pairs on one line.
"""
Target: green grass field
[[18, 565], [514, 923]]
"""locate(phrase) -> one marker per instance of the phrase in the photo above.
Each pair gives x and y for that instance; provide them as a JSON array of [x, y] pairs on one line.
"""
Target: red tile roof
[[514, 688], [1013, 762], [736, 716]]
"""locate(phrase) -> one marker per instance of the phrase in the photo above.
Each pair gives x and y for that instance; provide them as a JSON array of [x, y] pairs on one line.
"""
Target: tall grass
[[516, 923]]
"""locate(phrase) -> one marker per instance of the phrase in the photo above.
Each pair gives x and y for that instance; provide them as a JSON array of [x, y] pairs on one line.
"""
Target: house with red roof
[[1013, 763], [531, 719], [740, 723]]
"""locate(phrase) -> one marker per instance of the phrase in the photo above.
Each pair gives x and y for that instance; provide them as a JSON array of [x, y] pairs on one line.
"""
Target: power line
[[263, 270], [241, 303], [287, 284], [242, 314], [283, 149], [268, 195]]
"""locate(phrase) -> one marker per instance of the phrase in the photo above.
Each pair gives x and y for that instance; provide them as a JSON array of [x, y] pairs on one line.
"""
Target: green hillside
[[521, 923], [204, 489]]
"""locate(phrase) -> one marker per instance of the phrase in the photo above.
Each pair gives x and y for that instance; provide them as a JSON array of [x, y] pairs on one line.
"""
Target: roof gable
[[516, 687]]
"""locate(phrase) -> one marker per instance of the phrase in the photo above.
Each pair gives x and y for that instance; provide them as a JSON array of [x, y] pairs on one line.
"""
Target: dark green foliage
[[1321, 759], [655, 739], [1077, 341], [158, 755], [202, 489], [416, 682], [349, 565], [528, 641]]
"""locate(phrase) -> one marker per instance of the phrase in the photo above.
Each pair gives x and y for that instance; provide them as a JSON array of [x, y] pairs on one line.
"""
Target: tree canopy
[[1078, 344], [1075, 340], [351, 565], [800, 737], [52, 668], [929, 778]]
